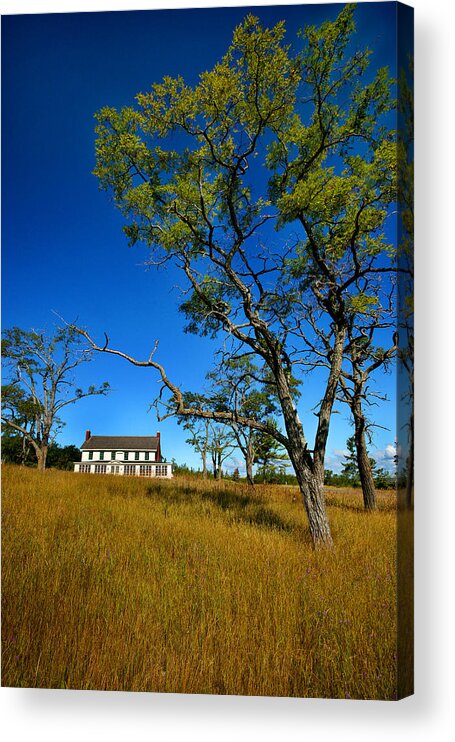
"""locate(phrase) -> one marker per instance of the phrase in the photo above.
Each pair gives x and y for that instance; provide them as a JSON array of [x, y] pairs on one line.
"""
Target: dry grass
[[181, 586]]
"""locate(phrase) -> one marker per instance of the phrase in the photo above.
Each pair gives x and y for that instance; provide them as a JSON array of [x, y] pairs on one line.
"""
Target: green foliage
[[243, 386], [271, 458], [362, 303], [349, 476], [161, 190], [331, 166], [62, 457], [204, 309], [15, 450], [350, 469], [295, 136]]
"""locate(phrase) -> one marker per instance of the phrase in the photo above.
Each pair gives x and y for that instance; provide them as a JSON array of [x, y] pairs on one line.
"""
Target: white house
[[131, 455]]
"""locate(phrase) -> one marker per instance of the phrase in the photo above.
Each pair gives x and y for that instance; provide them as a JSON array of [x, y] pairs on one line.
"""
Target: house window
[[147, 456], [101, 455], [90, 455], [100, 468], [130, 470], [136, 455], [84, 468], [161, 471], [126, 455], [146, 471]]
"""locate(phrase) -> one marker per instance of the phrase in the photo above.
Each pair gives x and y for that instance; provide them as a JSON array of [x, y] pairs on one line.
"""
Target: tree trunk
[[204, 451], [41, 456], [314, 501], [309, 476], [309, 470], [204, 464], [366, 476], [24, 451], [219, 473], [363, 462], [249, 471]]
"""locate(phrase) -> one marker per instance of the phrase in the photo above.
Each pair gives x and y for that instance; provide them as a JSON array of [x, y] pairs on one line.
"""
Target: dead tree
[[40, 372]]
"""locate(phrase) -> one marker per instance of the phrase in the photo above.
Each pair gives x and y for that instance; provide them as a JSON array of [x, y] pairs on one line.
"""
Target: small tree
[[269, 455], [222, 443], [248, 390], [351, 465], [40, 384], [198, 438]]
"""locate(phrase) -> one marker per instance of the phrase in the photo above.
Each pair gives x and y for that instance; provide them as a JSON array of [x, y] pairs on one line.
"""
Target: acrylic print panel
[[257, 539]]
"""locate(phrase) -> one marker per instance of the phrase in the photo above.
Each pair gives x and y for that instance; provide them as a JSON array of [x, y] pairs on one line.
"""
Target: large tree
[[40, 371], [269, 137]]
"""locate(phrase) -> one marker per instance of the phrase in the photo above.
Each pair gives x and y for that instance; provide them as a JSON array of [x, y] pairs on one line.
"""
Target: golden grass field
[[191, 587]]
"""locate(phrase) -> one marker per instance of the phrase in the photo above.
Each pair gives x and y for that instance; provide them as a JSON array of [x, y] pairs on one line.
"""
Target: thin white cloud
[[385, 457]]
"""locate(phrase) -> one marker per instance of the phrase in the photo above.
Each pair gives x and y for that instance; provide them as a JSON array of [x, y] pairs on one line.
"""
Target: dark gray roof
[[121, 443]]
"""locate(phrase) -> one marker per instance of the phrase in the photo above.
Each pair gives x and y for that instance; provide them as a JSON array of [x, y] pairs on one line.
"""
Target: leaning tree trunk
[[363, 461], [309, 469], [310, 478], [312, 489]]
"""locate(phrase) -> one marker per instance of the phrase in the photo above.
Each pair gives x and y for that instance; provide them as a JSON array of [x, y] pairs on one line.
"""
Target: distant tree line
[[58, 457]]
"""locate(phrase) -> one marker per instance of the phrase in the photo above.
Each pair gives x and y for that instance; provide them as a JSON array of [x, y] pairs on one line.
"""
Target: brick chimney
[[158, 453], [87, 435]]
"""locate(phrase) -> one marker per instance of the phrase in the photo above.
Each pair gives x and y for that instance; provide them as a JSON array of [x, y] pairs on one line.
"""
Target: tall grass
[[187, 587]]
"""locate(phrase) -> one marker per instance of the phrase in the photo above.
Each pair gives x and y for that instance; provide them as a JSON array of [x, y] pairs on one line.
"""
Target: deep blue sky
[[62, 244]]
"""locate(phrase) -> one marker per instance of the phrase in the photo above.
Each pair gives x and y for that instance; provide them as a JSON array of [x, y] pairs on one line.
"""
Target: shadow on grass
[[358, 507], [241, 506]]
